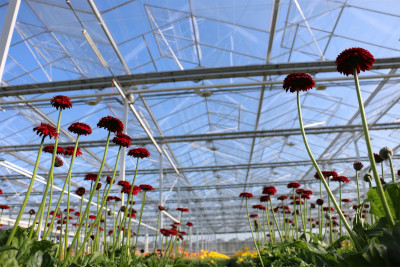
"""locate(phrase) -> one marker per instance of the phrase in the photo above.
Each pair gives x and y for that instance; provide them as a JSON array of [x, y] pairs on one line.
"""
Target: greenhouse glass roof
[[201, 82]]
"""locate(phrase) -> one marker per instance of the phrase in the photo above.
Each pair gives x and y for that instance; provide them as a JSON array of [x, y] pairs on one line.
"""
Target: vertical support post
[[146, 242], [122, 161], [190, 219], [7, 32], [179, 190]]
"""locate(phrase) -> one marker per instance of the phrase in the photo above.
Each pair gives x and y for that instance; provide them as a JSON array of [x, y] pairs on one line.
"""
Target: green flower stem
[[89, 204], [13, 231], [340, 201], [263, 229], [310, 221], [379, 187], [383, 172], [268, 221], [88, 207], [140, 219], [29, 222], [321, 220], [115, 220], [158, 225], [105, 229], [61, 239], [358, 189], [49, 181], [252, 234], [302, 214], [284, 220], [103, 202], [295, 215], [67, 181], [97, 225], [79, 221], [276, 223], [392, 170], [351, 233], [330, 219]]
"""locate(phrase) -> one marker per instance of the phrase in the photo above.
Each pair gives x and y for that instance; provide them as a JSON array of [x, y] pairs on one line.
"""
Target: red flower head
[[310, 219], [299, 191], [366, 206], [77, 213], [139, 153], [70, 210], [378, 158], [80, 191], [294, 198], [327, 209], [305, 196], [342, 179], [90, 177], [122, 140], [382, 181], [1, 192], [298, 82], [165, 232], [92, 217], [358, 166], [108, 180], [32, 212], [80, 128], [69, 151], [123, 183], [308, 192], [282, 198], [253, 215], [183, 209], [111, 124], [355, 207], [50, 149], [312, 205], [98, 186], [46, 129], [61, 101], [189, 224], [146, 187], [269, 190], [265, 198], [320, 202], [363, 216], [161, 207], [110, 232], [58, 162], [293, 185], [4, 207], [257, 206], [355, 57], [326, 174], [246, 195]]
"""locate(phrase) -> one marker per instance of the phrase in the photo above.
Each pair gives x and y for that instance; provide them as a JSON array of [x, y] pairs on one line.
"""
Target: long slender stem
[[103, 202], [140, 218], [252, 234], [49, 182], [276, 223], [268, 221], [67, 181], [370, 152], [358, 189], [358, 247], [80, 218], [392, 170], [340, 200], [89, 202], [13, 231], [295, 215], [158, 224]]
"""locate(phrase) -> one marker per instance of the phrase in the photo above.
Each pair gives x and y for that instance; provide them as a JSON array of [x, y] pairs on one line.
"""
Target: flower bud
[[386, 152], [367, 177]]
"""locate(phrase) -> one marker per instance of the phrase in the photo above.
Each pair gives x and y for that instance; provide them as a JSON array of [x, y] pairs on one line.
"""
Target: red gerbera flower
[[80, 128], [98, 186], [320, 202], [77, 213], [265, 198], [246, 195], [111, 124], [257, 206], [108, 180], [80, 191], [327, 209], [122, 140], [326, 174], [4, 207], [189, 224], [127, 189], [123, 183], [355, 57], [139, 153], [253, 215], [92, 217], [293, 185], [358, 166], [282, 197], [58, 162], [146, 187], [341, 179], [110, 232], [378, 158], [183, 209], [345, 200], [61, 101], [161, 207], [50, 149], [69, 151], [299, 191], [1, 192], [269, 190], [46, 129], [90, 177], [298, 82], [305, 196], [366, 206]]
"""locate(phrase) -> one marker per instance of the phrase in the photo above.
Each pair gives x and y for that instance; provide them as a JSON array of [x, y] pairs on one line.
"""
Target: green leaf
[[4, 248], [36, 260], [392, 194]]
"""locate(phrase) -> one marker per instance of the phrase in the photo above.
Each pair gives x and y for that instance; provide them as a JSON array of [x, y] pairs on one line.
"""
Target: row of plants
[[360, 241], [93, 243]]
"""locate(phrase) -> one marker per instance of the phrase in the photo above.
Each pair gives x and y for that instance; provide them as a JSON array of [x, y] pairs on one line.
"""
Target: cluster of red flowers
[[4, 207]]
